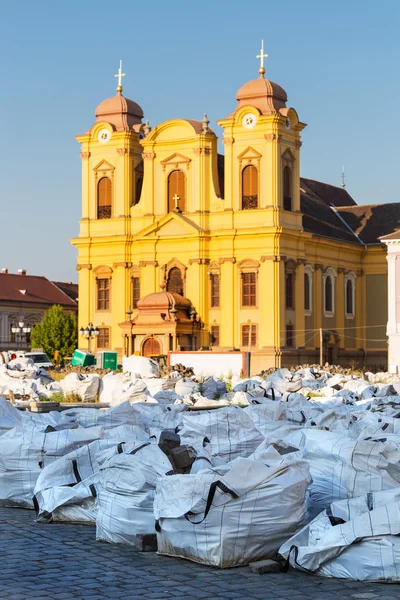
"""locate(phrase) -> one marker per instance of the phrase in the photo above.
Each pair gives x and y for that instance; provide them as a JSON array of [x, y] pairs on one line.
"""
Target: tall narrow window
[[287, 188], [249, 335], [214, 335], [103, 294], [175, 281], [328, 294], [214, 281], [349, 297], [138, 189], [177, 191], [249, 289], [289, 336], [104, 198], [103, 339], [249, 187], [135, 291], [307, 305], [289, 290]]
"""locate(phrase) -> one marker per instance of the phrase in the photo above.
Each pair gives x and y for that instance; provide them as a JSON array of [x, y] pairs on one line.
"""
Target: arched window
[[328, 294], [287, 188], [138, 189], [349, 297], [177, 191], [104, 198], [249, 187], [306, 291], [175, 281]]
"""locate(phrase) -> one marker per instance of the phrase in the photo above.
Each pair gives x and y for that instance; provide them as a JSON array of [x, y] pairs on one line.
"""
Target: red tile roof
[[32, 289]]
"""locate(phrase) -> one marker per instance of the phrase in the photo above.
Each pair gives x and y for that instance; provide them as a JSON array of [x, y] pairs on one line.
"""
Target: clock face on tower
[[104, 136], [249, 121]]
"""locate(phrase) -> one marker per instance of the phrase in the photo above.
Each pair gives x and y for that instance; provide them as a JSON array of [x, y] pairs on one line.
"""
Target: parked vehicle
[[40, 359]]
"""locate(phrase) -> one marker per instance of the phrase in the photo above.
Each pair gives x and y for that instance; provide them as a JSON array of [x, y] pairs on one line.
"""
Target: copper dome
[[163, 300], [263, 94], [119, 111]]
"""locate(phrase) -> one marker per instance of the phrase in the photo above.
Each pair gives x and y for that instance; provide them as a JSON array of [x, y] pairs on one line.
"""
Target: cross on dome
[[261, 56], [120, 75]]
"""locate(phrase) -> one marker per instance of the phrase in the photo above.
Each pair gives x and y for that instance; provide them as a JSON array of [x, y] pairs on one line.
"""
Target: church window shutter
[[249, 335], [307, 295], [135, 291], [214, 280], [103, 339], [215, 335], [175, 281], [104, 198], [287, 188], [249, 289], [103, 294], [177, 188], [289, 290], [249, 187]]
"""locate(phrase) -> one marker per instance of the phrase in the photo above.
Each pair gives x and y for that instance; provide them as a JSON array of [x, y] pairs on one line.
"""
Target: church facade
[[181, 247]]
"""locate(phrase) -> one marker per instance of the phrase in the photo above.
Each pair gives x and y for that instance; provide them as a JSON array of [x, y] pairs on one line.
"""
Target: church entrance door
[[151, 347]]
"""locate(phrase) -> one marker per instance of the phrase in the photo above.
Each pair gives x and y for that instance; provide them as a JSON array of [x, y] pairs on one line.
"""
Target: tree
[[56, 331]]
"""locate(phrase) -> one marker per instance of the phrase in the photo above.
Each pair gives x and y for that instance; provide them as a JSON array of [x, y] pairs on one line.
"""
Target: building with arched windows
[[181, 247]]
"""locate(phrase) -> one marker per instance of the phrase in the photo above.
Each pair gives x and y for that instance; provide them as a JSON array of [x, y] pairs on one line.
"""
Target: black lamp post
[[21, 330], [89, 332]]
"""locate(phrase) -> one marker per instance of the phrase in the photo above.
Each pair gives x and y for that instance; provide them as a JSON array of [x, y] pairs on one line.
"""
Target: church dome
[[120, 112], [263, 94], [164, 300]]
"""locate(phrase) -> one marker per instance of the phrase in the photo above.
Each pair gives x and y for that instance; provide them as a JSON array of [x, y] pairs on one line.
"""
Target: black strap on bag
[[93, 490], [295, 551], [211, 494], [120, 447], [76, 471], [333, 520], [140, 447]]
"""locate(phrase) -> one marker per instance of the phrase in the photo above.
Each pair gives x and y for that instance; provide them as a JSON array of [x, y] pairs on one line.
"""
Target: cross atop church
[[261, 56], [176, 199], [120, 75]]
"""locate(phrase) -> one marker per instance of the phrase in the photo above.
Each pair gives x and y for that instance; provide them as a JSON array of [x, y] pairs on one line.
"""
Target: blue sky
[[338, 62]]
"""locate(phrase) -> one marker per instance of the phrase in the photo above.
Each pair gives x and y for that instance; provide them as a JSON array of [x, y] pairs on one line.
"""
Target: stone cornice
[[144, 263], [87, 266], [231, 259]]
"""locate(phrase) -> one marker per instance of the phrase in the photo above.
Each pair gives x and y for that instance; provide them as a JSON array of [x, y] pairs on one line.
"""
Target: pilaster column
[[228, 303], [149, 283], [267, 303], [317, 302]]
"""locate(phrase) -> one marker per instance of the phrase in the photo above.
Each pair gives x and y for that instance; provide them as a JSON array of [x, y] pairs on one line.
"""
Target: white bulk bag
[[140, 366], [23, 456], [185, 386], [233, 515], [357, 538], [230, 431], [10, 417], [126, 493], [86, 386]]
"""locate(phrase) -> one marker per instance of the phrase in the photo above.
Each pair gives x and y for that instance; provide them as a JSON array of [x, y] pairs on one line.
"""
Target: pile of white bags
[[24, 453], [232, 515], [356, 538], [140, 366]]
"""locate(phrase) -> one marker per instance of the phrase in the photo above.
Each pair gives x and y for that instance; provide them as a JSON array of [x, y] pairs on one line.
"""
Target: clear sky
[[337, 60]]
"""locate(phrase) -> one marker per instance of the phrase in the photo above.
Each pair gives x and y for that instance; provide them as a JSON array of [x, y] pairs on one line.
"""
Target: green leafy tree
[[56, 331]]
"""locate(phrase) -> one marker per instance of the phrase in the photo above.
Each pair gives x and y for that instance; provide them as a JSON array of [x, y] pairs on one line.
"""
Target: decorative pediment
[[104, 167], [288, 156], [175, 160], [250, 155], [172, 225]]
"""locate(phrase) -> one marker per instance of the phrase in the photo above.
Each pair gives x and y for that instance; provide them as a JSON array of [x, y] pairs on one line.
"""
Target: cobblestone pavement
[[64, 562]]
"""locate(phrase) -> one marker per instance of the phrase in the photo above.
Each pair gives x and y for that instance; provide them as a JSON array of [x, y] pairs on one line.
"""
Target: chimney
[[21, 271], [4, 271]]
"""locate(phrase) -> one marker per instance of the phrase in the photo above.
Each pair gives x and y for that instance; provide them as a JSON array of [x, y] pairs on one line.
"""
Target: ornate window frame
[[249, 157], [288, 160], [214, 269], [248, 266], [104, 169]]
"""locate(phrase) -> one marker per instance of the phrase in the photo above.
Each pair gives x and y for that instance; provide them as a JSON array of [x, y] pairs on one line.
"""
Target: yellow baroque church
[[182, 248]]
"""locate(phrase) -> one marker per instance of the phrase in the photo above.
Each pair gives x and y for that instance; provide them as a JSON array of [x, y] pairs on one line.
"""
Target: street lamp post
[[129, 313], [21, 330], [89, 332]]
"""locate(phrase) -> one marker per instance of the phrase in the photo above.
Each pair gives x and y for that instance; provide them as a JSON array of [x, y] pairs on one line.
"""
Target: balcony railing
[[104, 212], [249, 202]]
